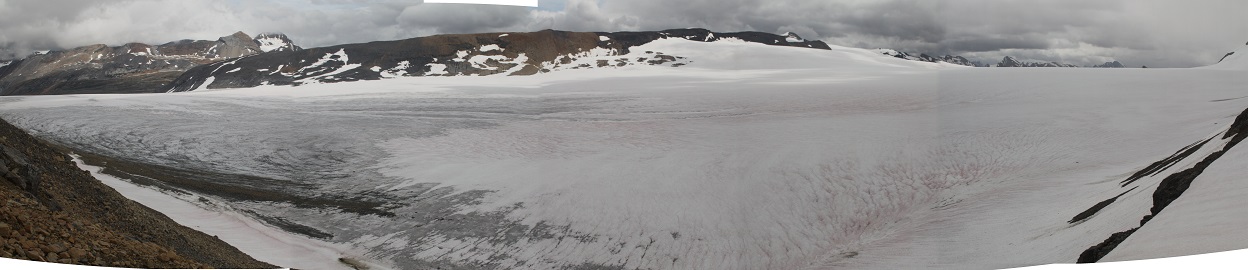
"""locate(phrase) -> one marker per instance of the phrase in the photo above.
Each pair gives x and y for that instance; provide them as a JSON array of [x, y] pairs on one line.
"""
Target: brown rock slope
[[52, 211]]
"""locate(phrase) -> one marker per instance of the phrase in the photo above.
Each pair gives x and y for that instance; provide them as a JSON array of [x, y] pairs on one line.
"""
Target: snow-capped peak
[[270, 42], [792, 37]]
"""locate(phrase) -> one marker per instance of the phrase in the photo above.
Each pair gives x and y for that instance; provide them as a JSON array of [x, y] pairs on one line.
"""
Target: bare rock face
[[15, 168], [237, 45], [129, 68]]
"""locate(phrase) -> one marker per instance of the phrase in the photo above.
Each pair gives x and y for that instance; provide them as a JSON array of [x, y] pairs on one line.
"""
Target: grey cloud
[[986, 44], [454, 18]]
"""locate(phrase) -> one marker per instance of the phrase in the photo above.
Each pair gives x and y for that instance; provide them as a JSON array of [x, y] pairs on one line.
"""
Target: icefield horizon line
[[520, 3]]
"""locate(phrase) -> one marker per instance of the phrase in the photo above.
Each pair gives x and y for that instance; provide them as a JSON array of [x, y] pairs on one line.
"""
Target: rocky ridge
[[952, 59]]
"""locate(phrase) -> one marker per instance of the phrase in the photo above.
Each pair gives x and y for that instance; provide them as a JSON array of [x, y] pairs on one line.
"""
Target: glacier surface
[[749, 157]]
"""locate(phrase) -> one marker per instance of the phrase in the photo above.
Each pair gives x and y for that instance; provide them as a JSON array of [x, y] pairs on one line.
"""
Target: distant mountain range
[[1008, 61], [239, 60], [133, 67], [952, 59]]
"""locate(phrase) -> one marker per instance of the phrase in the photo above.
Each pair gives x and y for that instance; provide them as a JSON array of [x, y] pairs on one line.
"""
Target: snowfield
[[749, 157]]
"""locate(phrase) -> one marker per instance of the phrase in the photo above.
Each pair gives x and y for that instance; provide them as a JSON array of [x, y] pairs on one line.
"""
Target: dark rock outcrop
[[1172, 187]]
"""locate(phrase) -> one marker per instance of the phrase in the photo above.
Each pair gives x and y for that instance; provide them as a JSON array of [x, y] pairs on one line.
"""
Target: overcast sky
[[1157, 33]]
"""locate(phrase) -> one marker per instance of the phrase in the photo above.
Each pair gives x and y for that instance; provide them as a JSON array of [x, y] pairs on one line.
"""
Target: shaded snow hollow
[[749, 157]]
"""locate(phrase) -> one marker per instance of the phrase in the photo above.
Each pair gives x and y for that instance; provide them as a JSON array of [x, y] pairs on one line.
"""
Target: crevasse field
[[750, 157]]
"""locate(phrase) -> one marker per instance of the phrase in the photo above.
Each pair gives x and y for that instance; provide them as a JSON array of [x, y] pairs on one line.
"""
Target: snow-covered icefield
[[750, 157]]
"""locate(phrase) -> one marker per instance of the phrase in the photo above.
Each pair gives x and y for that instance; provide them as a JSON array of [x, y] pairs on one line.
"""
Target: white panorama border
[[1220, 260], [523, 3], [1235, 259]]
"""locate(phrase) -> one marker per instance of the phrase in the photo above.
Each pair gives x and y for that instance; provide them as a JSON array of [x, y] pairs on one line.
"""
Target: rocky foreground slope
[[54, 212]]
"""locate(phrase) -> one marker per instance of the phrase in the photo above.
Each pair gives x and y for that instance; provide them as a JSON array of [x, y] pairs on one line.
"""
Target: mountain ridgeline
[[240, 60], [509, 54], [129, 68], [1008, 61]]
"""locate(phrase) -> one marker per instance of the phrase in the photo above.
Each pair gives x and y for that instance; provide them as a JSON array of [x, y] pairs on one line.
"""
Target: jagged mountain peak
[[1113, 64]]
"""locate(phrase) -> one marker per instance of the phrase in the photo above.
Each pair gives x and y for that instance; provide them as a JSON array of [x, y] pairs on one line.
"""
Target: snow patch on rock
[[397, 71], [341, 55], [460, 56], [268, 43], [436, 70]]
